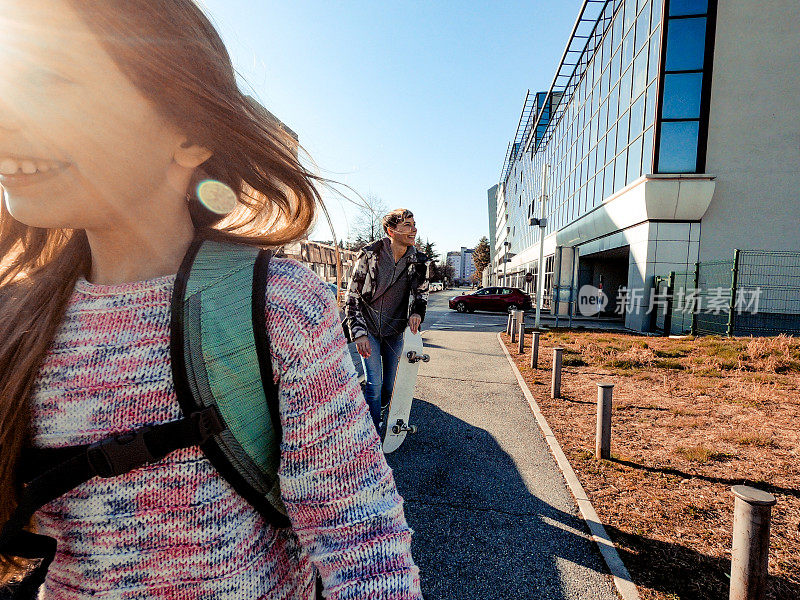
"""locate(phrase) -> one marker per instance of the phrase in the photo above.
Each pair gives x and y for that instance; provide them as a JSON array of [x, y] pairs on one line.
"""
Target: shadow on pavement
[[479, 532], [681, 579]]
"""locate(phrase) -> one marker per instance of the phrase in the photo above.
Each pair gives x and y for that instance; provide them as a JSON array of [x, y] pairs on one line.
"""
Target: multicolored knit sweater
[[176, 529]]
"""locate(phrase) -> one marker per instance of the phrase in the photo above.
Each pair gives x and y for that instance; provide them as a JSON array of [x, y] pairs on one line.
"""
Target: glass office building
[[620, 146]]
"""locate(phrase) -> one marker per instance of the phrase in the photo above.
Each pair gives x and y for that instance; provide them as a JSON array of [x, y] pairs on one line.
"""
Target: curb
[[622, 579]]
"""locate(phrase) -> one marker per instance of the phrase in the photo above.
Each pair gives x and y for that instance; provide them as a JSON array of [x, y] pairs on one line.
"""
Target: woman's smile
[[21, 170]]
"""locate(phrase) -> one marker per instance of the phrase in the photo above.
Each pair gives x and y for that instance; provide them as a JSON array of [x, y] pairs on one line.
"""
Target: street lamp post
[[506, 247], [542, 225]]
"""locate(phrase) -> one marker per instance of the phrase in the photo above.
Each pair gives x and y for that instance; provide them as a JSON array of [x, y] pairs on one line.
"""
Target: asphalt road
[[490, 510]]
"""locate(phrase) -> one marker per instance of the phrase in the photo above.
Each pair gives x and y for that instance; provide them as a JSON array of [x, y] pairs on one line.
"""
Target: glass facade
[[632, 106], [601, 132]]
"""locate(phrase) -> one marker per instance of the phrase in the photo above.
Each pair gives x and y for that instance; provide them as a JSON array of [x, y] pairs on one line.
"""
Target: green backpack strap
[[220, 358]]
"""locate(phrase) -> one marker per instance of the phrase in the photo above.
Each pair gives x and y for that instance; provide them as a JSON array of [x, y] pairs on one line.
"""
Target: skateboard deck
[[399, 409]]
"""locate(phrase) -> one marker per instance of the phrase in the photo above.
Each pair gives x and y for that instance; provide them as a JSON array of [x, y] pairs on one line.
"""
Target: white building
[[462, 263], [467, 264], [668, 137], [454, 260]]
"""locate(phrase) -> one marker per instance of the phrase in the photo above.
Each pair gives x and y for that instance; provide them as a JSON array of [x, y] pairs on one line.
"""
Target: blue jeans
[[380, 369]]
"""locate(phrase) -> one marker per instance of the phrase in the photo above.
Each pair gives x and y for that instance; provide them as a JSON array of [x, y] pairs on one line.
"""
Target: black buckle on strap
[[123, 453], [119, 454], [206, 423]]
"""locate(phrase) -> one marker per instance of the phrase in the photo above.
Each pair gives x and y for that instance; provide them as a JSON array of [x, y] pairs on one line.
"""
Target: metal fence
[[755, 293]]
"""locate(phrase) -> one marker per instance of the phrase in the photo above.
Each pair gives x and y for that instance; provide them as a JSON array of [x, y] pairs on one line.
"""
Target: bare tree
[[367, 227]]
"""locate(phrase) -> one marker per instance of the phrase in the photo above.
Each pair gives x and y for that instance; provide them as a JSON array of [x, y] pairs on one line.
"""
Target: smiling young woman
[[111, 114]]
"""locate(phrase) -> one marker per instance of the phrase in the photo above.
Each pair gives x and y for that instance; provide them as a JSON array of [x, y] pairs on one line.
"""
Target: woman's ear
[[191, 155]]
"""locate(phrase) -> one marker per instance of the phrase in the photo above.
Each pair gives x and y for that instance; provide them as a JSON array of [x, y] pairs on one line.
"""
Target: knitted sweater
[[176, 529]]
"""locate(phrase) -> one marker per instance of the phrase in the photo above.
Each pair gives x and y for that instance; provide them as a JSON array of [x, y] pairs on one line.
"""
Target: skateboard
[[399, 409]]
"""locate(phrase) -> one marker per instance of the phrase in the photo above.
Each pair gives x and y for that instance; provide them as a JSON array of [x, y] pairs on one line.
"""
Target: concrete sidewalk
[[491, 512]]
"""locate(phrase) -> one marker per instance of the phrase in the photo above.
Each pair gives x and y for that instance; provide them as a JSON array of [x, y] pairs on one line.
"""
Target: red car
[[492, 298]]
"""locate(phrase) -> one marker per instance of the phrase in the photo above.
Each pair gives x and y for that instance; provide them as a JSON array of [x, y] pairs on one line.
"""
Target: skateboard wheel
[[425, 358], [412, 356], [412, 429], [396, 429]]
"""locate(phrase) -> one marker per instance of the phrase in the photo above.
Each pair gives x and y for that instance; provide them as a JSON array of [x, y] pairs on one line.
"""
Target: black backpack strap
[[260, 276], [49, 473]]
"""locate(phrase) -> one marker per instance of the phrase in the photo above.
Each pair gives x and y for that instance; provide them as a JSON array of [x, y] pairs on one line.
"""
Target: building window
[[686, 44], [679, 8], [682, 127], [678, 149], [682, 96]]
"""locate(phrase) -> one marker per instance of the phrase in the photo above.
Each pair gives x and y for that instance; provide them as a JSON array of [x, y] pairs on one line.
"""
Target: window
[[634, 160], [608, 180], [647, 151], [620, 170], [655, 17], [639, 74], [682, 128], [622, 130], [611, 140], [625, 90], [643, 26], [613, 106], [650, 103], [679, 8], [601, 154], [678, 148], [682, 96], [597, 198], [630, 13], [637, 116], [686, 42], [627, 49]]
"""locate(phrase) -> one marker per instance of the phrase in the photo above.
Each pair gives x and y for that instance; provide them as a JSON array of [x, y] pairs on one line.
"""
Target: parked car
[[492, 298]]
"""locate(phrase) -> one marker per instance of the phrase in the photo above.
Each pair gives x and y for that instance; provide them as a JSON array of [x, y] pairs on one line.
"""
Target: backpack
[[222, 372]]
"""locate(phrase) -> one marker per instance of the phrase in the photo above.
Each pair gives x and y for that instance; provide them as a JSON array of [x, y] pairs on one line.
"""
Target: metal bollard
[[750, 554], [535, 350], [602, 444], [514, 327], [555, 387], [521, 327]]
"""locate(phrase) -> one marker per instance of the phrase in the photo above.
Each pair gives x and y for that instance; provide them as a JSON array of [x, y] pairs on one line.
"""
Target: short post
[[521, 333], [535, 350], [555, 387], [734, 284], [602, 444], [750, 554], [514, 320], [508, 325]]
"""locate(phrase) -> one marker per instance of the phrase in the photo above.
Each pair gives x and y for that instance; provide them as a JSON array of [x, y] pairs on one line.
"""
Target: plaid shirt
[[362, 288]]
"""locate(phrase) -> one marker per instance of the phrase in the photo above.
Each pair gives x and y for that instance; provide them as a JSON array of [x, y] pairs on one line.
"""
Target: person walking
[[115, 117], [388, 292]]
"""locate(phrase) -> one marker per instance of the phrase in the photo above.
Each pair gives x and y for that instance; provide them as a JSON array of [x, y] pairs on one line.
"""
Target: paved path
[[492, 516]]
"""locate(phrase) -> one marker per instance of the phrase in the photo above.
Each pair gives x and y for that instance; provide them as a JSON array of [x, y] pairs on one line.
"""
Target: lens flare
[[216, 196]]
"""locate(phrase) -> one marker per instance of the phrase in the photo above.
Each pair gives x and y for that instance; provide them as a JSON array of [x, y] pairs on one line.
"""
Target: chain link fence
[[756, 293]]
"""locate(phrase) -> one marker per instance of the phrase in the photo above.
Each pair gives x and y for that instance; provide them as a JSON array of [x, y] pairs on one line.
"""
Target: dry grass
[[691, 418]]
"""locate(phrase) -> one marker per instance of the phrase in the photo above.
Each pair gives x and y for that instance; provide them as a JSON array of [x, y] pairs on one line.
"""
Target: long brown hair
[[171, 52]]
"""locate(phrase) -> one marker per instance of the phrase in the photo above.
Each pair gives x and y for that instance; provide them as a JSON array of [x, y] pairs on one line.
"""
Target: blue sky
[[412, 102]]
